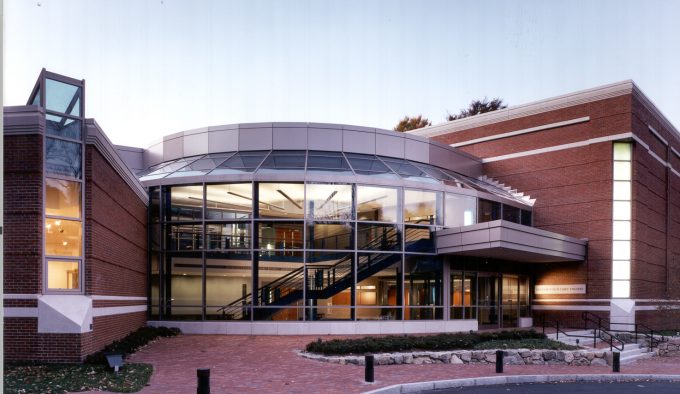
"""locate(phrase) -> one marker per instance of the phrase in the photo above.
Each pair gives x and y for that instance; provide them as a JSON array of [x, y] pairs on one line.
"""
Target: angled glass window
[[62, 198], [36, 99], [369, 165], [378, 204], [62, 126], [240, 163], [328, 161], [63, 157], [329, 201], [283, 161], [202, 166], [229, 201], [407, 170], [62, 97], [167, 168], [434, 172], [281, 200]]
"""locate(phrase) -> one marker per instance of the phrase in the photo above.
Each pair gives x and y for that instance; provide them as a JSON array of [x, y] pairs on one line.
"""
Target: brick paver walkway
[[248, 364]]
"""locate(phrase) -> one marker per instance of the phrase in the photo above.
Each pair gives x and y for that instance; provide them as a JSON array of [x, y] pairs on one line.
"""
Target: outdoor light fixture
[[115, 360]]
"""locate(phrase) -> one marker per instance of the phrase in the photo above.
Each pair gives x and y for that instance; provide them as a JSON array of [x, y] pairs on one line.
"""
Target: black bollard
[[616, 362], [499, 361], [203, 375], [369, 369]]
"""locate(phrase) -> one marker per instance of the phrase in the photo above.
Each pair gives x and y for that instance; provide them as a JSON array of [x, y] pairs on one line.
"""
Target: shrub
[[528, 343], [131, 343], [397, 343]]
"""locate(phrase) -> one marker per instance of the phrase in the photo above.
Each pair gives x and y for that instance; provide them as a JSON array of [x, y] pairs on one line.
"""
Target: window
[[460, 210], [621, 215], [422, 207], [63, 275], [377, 204], [62, 198]]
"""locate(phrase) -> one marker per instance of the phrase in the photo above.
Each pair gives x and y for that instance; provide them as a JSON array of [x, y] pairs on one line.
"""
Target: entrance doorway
[[488, 300]]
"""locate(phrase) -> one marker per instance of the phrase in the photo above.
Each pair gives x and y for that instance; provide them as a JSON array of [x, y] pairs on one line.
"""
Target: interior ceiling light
[[288, 198], [328, 199]]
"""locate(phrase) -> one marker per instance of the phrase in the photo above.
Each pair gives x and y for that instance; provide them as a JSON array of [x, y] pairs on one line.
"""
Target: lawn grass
[[509, 339], [60, 378]]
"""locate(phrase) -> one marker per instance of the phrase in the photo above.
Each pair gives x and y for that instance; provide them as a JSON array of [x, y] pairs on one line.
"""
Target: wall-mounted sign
[[560, 289]]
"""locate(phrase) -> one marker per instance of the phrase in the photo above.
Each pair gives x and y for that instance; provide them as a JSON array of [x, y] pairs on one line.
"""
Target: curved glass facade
[[273, 250]]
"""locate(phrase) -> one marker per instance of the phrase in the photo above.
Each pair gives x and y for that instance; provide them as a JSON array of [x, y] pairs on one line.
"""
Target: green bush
[[529, 343], [396, 343], [131, 343]]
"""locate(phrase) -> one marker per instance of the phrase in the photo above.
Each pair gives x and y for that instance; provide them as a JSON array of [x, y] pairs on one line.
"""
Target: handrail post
[[636, 332], [594, 339], [557, 333]]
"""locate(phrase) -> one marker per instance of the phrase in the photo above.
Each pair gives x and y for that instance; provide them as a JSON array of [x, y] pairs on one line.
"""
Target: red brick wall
[[23, 213]]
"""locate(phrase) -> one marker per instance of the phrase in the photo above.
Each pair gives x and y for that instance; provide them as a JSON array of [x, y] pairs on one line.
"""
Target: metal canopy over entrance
[[504, 240]]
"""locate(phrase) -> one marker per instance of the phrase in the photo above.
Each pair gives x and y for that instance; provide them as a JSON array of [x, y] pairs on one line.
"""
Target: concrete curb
[[518, 379]]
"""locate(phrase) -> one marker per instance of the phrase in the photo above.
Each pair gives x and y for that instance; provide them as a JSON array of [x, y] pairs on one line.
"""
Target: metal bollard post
[[499, 361], [369, 375], [203, 375], [616, 362]]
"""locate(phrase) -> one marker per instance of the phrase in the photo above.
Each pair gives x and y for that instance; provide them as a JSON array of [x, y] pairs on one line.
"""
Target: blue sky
[[157, 67]]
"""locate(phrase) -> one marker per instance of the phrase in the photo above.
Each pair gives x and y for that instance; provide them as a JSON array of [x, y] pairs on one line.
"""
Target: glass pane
[[185, 237], [63, 275], [378, 237], [621, 210], [155, 204], [241, 162], [329, 285], [62, 198], [63, 237], [423, 288], [369, 165], [377, 204], [488, 211], [621, 230], [511, 214], [186, 203], [621, 250], [62, 97], [184, 292], [526, 217], [228, 235], [457, 291], [620, 288], [280, 284], [460, 210], [419, 239], [36, 98], [622, 190], [379, 286], [63, 158], [281, 200], [621, 269], [283, 161], [156, 236], [407, 170], [280, 236], [328, 161], [228, 285], [623, 151], [329, 202], [622, 171], [63, 127], [336, 236], [422, 207], [155, 280], [231, 201]]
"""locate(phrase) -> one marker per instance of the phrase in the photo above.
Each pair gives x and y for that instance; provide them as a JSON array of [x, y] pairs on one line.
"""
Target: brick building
[[548, 209]]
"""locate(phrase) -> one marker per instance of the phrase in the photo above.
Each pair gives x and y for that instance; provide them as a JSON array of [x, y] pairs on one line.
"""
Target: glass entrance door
[[510, 304], [488, 301]]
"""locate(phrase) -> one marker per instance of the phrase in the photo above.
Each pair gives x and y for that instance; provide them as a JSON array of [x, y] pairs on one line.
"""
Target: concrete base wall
[[319, 328]]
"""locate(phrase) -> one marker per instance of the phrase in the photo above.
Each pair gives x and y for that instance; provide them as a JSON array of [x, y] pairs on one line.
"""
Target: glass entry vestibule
[[495, 300]]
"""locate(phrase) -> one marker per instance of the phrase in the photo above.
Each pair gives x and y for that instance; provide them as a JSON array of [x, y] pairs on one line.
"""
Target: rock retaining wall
[[511, 357], [666, 348]]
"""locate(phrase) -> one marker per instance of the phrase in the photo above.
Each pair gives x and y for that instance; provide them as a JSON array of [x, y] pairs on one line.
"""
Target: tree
[[477, 107], [413, 123]]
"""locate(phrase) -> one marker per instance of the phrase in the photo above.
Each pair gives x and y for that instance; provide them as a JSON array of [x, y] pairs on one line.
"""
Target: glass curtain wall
[[295, 251]]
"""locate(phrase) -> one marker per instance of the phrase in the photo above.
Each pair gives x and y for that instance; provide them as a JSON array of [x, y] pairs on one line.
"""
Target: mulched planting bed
[[61, 378]]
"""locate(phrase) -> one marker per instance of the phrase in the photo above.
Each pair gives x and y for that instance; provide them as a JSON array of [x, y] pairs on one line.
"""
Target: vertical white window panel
[[622, 171], [621, 210], [620, 250], [620, 289], [621, 270], [621, 230], [622, 191], [623, 151], [621, 219]]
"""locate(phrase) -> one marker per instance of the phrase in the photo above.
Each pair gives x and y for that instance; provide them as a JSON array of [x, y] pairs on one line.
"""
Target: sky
[[156, 67]]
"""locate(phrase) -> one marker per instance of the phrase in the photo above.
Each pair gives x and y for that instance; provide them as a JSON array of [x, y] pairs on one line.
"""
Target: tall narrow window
[[63, 183], [621, 223]]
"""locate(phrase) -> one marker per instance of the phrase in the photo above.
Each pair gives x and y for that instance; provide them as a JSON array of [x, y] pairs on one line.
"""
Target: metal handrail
[[653, 341], [556, 325]]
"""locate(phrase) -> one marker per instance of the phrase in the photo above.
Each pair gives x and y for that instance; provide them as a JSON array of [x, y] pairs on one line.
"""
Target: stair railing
[[638, 329]]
